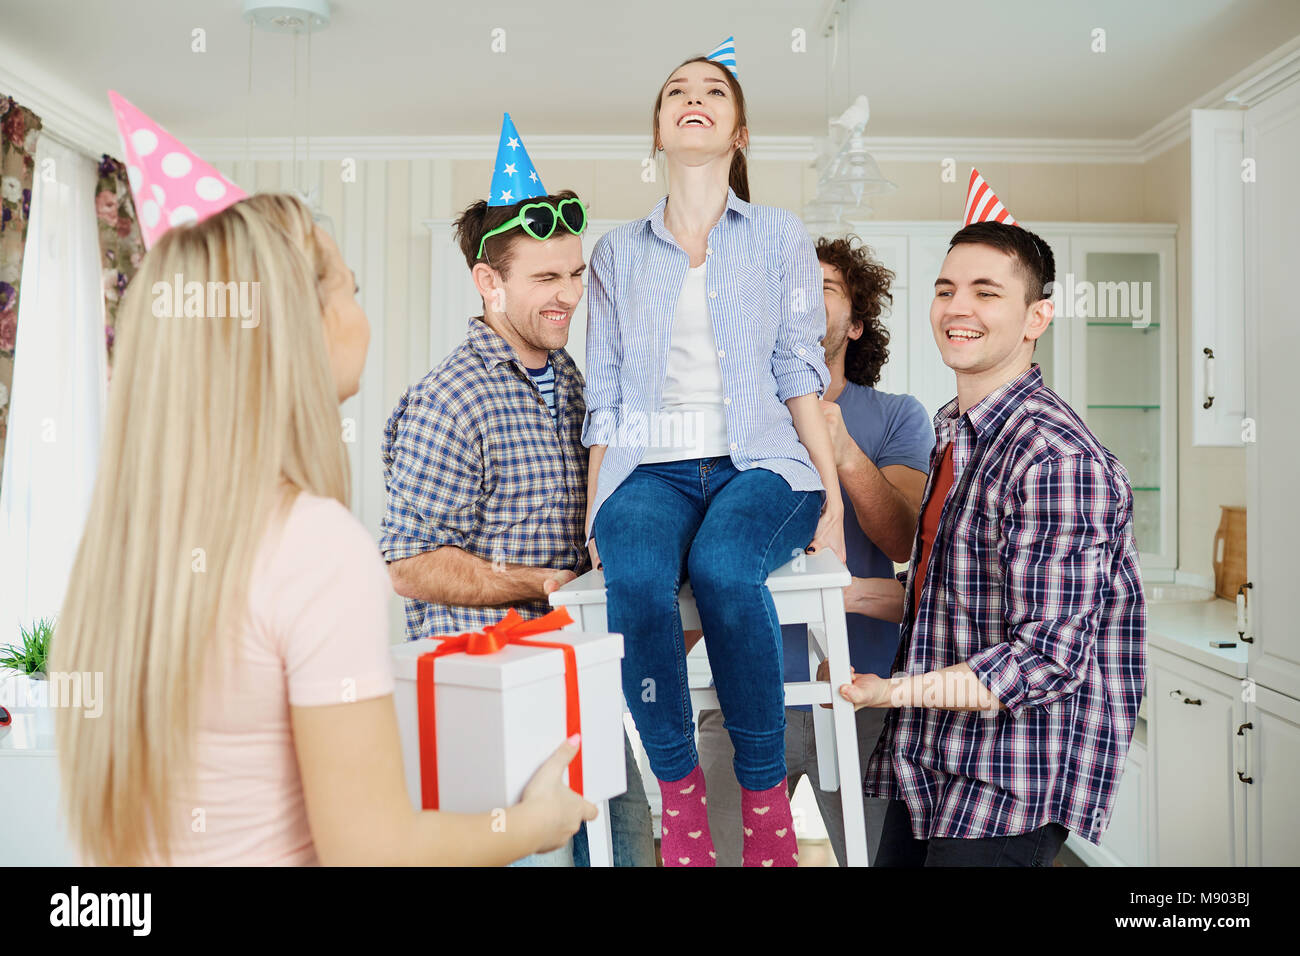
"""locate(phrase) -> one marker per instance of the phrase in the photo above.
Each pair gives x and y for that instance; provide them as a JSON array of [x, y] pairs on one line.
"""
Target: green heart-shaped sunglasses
[[539, 220]]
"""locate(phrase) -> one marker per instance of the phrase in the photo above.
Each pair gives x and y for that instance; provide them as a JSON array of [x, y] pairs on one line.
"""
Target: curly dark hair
[[867, 284]]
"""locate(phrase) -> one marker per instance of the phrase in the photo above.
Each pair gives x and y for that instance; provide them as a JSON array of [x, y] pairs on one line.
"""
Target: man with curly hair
[[882, 445]]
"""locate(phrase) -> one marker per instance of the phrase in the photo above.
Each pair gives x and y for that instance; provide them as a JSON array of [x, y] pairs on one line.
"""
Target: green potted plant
[[26, 691]]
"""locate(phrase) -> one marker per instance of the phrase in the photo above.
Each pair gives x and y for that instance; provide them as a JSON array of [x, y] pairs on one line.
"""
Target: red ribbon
[[511, 629]]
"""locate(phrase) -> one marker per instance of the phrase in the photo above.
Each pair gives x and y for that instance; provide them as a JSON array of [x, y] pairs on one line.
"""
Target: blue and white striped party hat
[[514, 178], [724, 54]]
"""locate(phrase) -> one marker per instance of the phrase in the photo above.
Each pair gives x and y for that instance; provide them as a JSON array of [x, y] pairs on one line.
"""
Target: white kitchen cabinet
[[893, 375], [32, 828], [1053, 351], [1123, 371], [891, 252], [1195, 752], [1272, 251], [1218, 337], [1271, 779], [1114, 363]]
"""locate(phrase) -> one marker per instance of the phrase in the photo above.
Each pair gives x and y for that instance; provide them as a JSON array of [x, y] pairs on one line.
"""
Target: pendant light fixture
[[296, 17]]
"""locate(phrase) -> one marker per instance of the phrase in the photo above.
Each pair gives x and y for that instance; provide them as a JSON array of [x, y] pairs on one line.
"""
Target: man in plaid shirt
[[485, 476], [486, 471], [1022, 656]]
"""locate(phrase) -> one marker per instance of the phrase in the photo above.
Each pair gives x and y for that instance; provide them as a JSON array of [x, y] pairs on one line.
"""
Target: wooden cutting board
[[1230, 552]]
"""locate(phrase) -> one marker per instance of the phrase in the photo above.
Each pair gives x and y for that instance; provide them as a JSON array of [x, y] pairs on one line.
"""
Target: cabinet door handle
[[1243, 614], [1241, 731], [1175, 694], [1243, 778], [1209, 377]]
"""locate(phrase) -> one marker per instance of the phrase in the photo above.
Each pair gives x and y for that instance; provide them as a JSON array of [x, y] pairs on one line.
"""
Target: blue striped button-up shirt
[[1033, 582], [765, 303]]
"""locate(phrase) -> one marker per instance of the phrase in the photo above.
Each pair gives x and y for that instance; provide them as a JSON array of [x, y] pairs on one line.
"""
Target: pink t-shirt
[[316, 634]]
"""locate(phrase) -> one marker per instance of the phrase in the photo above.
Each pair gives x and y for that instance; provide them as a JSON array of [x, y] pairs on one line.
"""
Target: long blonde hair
[[212, 428]]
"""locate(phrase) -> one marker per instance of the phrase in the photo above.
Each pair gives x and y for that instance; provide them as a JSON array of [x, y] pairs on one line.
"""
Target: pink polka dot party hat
[[171, 186]]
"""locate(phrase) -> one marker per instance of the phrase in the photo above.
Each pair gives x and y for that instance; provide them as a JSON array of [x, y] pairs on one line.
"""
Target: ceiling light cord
[[248, 99]]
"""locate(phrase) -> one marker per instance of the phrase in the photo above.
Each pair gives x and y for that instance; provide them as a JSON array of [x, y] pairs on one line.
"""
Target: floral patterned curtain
[[19, 130], [120, 245]]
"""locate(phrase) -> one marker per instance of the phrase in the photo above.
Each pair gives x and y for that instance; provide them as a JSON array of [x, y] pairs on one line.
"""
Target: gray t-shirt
[[890, 430]]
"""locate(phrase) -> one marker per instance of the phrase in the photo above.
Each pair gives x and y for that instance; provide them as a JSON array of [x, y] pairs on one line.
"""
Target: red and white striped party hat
[[982, 204], [169, 183]]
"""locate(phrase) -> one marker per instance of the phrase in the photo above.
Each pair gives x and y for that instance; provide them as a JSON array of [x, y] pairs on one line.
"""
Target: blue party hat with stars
[[724, 54], [515, 178]]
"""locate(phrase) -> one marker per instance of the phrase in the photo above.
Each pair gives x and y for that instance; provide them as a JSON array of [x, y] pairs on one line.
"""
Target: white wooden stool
[[808, 590]]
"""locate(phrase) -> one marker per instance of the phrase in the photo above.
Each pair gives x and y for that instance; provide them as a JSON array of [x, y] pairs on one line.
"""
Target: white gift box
[[500, 716]]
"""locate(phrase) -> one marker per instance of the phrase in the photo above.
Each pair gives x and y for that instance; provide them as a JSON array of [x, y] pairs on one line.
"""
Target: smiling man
[[483, 458], [1022, 652]]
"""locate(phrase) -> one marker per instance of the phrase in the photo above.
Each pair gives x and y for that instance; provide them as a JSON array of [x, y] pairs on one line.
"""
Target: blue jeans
[[726, 530], [631, 829]]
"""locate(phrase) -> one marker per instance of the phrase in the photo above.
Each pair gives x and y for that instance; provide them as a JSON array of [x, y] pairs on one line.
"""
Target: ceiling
[[1025, 68]]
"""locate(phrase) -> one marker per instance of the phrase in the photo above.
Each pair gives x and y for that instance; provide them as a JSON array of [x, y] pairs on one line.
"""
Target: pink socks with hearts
[[769, 830], [685, 840], [765, 815]]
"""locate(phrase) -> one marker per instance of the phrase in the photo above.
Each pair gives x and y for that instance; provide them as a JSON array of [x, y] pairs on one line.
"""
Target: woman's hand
[[557, 810], [830, 532]]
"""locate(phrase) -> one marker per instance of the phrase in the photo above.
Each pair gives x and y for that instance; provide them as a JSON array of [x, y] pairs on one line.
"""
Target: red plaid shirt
[[1033, 582]]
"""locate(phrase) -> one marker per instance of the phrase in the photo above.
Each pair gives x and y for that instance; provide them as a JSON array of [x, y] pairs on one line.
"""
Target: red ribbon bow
[[511, 629]]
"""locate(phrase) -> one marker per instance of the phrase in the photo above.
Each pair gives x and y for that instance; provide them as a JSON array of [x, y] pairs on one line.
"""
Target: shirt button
[[726, 401], [713, 294], [801, 351], [733, 446], [721, 354], [708, 251]]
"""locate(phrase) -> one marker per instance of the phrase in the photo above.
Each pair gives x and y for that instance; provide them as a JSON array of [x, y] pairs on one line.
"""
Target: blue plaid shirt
[[765, 303], [474, 460], [1033, 582]]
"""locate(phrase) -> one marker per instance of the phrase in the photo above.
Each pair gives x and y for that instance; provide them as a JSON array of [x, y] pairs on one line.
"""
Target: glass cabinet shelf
[[1124, 382], [1128, 325]]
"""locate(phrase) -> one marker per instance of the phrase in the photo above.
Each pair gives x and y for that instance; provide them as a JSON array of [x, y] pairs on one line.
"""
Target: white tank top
[[692, 421]]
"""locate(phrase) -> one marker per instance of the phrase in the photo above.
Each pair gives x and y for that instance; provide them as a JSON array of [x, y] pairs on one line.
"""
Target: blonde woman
[[234, 605]]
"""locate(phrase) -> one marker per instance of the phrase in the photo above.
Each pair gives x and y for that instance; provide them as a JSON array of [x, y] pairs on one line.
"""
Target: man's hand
[[555, 578], [867, 690], [844, 447]]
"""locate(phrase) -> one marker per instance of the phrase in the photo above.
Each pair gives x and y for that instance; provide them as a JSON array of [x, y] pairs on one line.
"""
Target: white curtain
[[59, 389]]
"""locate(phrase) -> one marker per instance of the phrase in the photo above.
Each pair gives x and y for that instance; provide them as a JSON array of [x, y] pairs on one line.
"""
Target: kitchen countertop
[[1186, 628]]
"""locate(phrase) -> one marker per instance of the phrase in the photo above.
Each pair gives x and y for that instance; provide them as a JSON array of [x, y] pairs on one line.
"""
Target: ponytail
[[739, 178]]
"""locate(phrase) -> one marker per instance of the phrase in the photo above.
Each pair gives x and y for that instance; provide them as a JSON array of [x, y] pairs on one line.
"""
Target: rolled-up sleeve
[[601, 391], [1059, 534], [798, 361], [433, 473]]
